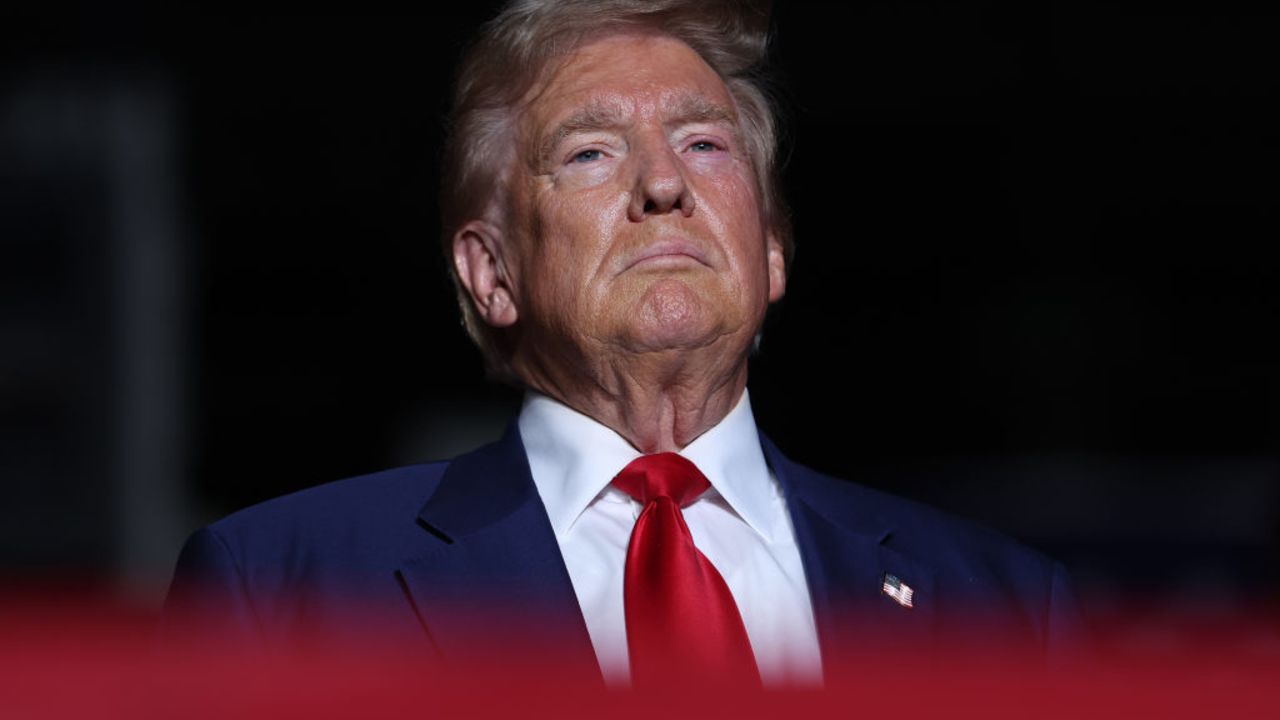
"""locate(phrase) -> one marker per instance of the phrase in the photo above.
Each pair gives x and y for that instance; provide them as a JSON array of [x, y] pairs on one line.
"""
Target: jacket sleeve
[[208, 600], [1066, 635]]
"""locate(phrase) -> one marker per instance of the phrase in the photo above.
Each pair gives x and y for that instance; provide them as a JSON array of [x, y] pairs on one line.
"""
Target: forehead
[[628, 73]]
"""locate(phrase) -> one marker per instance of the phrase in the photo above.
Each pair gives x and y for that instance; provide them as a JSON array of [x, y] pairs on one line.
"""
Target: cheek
[[573, 234], [734, 187], [738, 220]]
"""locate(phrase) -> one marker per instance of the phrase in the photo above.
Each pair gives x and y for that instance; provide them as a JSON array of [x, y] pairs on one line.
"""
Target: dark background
[[1035, 282]]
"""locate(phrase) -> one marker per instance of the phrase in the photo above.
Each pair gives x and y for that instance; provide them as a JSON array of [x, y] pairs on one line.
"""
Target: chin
[[648, 340], [672, 316]]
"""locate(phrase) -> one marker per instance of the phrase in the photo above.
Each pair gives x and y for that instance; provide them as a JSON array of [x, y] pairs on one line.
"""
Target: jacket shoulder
[[261, 571], [956, 545], [986, 578], [378, 497], [341, 531]]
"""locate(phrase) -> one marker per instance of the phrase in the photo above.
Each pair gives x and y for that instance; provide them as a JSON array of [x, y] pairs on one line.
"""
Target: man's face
[[635, 223]]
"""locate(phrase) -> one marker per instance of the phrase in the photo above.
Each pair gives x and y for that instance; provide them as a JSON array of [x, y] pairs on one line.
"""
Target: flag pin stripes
[[897, 590]]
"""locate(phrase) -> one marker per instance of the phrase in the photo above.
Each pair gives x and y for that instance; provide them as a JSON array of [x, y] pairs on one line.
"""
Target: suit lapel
[[492, 577], [845, 547]]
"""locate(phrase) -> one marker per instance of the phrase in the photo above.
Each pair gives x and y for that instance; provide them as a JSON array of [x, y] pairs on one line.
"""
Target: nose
[[661, 186]]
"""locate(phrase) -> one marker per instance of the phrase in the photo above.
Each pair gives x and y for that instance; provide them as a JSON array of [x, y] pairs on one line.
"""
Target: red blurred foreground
[[65, 658]]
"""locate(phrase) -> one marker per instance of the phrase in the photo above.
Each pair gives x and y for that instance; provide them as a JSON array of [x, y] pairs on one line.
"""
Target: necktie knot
[[650, 477]]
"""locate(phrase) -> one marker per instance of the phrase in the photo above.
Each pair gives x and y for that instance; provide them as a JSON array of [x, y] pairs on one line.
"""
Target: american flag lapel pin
[[897, 590]]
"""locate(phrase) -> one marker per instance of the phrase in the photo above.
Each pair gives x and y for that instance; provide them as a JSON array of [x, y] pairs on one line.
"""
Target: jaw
[[659, 357]]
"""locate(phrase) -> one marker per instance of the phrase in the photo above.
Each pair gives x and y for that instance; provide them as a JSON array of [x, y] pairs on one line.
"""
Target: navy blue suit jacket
[[427, 548]]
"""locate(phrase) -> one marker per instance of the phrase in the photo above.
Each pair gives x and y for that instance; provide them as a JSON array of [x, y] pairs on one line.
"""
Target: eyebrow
[[595, 115], [600, 115], [692, 108]]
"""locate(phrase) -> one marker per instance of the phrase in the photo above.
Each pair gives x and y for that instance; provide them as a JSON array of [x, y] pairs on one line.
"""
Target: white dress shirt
[[741, 525]]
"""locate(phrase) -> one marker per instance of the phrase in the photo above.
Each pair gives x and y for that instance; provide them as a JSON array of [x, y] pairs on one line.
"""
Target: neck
[[658, 402]]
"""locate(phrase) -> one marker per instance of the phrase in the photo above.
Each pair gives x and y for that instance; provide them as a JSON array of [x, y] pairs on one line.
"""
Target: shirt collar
[[573, 458]]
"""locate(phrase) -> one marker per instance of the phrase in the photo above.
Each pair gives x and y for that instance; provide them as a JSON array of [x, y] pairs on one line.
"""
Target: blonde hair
[[517, 46]]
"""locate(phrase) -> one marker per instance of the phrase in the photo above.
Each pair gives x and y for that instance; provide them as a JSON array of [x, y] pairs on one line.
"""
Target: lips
[[673, 251]]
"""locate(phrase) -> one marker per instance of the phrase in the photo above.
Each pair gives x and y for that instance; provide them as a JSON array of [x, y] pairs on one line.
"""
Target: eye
[[704, 146], [587, 156]]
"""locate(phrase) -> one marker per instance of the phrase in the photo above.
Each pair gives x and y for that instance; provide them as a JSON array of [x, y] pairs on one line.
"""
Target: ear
[[777, 260], [477, 258]]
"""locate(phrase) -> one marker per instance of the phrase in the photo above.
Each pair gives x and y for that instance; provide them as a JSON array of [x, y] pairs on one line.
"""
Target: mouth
[[667, 253]]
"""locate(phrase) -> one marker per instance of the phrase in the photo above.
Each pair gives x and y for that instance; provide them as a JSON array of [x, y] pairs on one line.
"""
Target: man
[[613, 222]]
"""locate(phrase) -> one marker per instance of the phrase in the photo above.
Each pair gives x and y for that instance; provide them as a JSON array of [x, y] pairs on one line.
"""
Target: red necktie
[[682, 623]]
